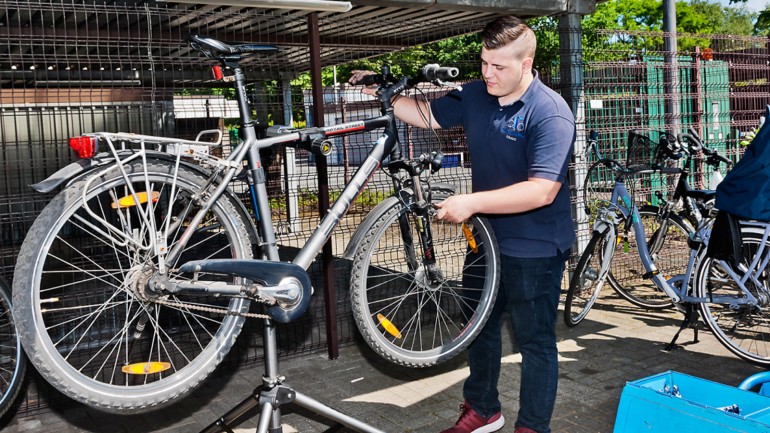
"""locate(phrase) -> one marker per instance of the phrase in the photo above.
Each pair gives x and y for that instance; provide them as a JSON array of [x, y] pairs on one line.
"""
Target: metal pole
[[671, 68], [330, 292], [573, 91]]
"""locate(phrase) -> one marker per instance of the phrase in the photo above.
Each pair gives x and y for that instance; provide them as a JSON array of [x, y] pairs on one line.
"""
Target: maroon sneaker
[[522, 429], [471, 422]]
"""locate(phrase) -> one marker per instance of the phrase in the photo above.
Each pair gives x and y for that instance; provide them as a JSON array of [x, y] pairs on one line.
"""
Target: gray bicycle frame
[[621, 201], [249, 150]]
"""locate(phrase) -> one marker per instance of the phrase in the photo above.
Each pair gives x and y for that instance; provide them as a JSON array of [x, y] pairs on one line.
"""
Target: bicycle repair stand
[[274, 393]]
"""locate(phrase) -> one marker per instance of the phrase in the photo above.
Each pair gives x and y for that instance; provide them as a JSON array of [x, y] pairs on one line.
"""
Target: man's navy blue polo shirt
[[533, 137]]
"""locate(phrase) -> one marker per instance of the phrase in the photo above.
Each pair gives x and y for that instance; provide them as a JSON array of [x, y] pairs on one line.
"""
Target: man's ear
[[526, 65]]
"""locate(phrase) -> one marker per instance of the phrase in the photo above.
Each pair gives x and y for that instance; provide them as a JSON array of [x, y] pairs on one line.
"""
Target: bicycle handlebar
[[696, 144], [431, 73], [435, 72]]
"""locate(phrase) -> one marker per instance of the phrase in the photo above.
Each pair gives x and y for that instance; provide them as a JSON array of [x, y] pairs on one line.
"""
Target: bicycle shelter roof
[[125, 32]]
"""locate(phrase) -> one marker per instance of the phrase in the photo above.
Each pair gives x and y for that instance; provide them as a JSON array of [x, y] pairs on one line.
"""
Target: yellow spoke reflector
[[146, 367], [390, 327], [471, 240], [129, 201]]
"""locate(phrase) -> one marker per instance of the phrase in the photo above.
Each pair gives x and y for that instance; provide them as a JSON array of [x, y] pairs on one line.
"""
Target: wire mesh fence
[[72, 67]]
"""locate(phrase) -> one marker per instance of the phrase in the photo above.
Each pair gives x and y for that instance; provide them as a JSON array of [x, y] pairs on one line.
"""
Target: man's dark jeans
[[529, 292]]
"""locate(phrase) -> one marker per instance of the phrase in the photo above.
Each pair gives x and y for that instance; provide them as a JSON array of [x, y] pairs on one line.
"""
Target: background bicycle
[[13, 361], [667, 217], [730, 297]]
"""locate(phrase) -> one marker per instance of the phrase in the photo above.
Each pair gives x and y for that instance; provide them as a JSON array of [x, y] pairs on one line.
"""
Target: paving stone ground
[[615, 344]]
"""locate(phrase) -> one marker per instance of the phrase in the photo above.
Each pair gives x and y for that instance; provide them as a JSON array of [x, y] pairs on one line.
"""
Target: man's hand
[[357, 76], [456, 208]]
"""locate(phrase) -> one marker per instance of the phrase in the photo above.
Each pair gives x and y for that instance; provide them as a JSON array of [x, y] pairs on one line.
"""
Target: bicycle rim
[[416, 316], [586, 282], [670, 256], [744, 330], [93, 325], [12, 359]]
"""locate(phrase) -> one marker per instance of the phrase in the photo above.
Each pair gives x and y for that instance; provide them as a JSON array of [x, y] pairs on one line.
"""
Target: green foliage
[[461, 52], [694, 18], [547, 35], [762, 26], [308, 199]]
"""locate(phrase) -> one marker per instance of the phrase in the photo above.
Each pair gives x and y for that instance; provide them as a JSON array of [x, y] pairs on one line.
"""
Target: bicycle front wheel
[[90, 317], [587, 280], [743, 329], [669, 252], [416, 314], [13, 361]]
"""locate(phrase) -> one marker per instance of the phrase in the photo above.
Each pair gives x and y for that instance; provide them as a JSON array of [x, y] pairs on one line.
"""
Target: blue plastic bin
[[675, 402]]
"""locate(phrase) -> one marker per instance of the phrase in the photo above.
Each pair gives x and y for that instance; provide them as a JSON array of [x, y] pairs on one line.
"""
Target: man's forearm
[[414, 112]]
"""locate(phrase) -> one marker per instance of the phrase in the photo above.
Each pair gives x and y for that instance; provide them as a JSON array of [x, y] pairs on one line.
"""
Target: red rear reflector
[[85, 146], [217, 72]]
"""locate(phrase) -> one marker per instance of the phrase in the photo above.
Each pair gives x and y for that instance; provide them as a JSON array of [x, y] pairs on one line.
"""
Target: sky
[[753, 5]]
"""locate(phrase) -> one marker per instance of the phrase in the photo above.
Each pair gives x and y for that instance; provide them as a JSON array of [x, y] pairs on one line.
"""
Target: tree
[[762, 26]]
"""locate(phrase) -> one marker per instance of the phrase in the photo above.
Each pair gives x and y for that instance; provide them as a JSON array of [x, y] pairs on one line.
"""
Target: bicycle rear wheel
[[743, 329], [670, 255], [412, 314], [587, 281], [90, 319], [13, 361]]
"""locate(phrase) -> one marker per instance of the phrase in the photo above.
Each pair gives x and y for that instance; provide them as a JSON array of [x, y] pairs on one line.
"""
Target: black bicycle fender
[[74, 171], [64, 174], [406, 195], [365, 225]]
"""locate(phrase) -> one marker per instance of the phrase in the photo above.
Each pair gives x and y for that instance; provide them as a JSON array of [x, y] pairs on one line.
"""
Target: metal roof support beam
[[671, 68], [520, 8], [327, 256], [573, 91]]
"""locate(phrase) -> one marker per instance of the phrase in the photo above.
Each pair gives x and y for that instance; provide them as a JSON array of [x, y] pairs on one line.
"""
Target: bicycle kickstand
[[690, 321]]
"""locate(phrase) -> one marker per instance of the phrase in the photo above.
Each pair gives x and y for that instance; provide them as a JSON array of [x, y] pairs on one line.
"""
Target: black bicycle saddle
[[215, 49]]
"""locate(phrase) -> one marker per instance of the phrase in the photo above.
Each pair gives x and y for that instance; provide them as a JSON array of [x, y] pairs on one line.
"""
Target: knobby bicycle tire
[[742, 329], [404, 314], [13, 361], [587, 281], [87, 317], [670, 254]]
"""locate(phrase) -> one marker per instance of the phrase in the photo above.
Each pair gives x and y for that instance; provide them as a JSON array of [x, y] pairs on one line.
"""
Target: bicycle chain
[[222, 311]]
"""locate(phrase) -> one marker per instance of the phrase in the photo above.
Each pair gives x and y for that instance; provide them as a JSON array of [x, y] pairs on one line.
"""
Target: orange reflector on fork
[[142, 368], [129, 201], [469, 237], [390, 327]]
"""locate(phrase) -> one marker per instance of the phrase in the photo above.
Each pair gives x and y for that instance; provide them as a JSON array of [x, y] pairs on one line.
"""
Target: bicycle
[[676, 217], [732, 302], [135, 281], [13, 361]]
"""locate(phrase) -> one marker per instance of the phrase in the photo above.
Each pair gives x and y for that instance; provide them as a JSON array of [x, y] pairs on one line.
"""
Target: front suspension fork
[[421, 212]]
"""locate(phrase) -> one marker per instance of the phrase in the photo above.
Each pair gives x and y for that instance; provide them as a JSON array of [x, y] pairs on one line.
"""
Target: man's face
[[502, 70]]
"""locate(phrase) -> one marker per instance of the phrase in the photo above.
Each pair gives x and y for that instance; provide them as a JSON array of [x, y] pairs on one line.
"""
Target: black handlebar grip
[[692, 140], [435, 72], [370, 80]]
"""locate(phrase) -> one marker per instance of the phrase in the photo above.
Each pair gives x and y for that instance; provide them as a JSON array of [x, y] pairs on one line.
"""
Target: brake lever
[[447, 84]]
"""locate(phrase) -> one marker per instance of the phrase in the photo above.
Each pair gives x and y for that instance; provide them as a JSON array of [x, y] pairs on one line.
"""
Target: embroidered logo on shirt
[[514, 128]]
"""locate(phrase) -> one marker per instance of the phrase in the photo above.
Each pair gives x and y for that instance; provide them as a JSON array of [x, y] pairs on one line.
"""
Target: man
[[520, 135]]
